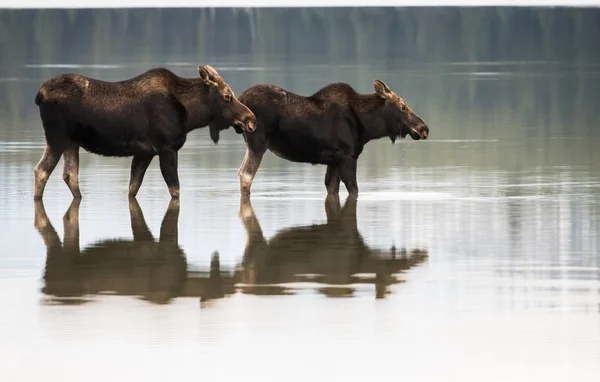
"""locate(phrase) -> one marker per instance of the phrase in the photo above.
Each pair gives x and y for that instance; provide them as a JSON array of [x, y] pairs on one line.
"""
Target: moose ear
[[203, 73], [208, 75], [212, 72], [382, 89]]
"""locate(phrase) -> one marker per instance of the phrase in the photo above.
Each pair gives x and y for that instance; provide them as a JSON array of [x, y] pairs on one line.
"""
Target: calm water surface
[[473, 255]]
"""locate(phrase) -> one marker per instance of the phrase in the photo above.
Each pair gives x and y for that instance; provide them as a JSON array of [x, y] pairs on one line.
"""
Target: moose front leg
[[139, 228], [71, 170], [348, 174], [332, 207], [257, 248], [43, 169], [332, 179], [248, 169], [168, 168], [71, 227], [169, 227]]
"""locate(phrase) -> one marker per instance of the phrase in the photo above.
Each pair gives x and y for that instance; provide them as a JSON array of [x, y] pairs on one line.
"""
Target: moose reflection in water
[[333, 254], [156, 271]]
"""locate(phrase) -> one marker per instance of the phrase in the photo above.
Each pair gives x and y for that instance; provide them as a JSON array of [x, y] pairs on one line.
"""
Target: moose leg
[[348, 174], [43, 225], [139, 165], [43, 169], [248, 169], [348, 214], [247, 216], [332, 179], [139, 228], [257, 247], [71, 227], [332, 207], [250, 222], [169, 226], [71, 170], [168, 168]]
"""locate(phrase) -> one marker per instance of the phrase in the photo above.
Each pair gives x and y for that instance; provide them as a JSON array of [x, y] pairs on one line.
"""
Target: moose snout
[[246, 124], [421, 131], [250, 124], [424, 131]]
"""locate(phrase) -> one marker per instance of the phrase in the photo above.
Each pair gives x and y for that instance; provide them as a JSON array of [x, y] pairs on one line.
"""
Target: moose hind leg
[[168, 168], [332, 179], [348, 174], [71, 170], [43, 225], [43, 170], [139, 165], [248, 170]]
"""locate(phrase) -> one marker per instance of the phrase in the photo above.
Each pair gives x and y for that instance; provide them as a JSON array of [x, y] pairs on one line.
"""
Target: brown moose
[[330, 127], [141, 117]]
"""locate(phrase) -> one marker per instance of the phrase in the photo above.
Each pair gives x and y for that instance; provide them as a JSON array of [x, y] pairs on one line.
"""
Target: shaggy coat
[[330, 127], [141, 117]]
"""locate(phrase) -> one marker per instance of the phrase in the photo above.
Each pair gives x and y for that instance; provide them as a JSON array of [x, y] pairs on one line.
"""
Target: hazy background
[[503, 197]]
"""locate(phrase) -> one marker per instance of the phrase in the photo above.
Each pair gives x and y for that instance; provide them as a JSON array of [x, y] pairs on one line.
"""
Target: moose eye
[[403, 107], [227, 98]]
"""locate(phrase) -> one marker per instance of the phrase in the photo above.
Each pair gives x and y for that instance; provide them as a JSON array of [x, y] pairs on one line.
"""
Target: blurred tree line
[[304, 48], [342, 34]]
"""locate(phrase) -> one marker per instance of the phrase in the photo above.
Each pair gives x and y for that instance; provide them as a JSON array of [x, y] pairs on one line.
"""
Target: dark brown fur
[[330, 127], [141, 117]]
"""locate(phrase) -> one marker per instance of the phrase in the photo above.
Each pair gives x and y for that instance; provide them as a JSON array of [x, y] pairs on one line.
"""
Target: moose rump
[[141, 117]]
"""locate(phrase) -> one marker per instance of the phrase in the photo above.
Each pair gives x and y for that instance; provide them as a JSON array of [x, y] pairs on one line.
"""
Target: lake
[[473, 255]]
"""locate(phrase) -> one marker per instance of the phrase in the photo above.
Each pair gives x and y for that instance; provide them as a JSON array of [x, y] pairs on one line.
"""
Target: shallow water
[[474, 255]]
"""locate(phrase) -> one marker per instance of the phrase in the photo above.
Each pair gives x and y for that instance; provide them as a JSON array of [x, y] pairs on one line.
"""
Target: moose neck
[[193, 93], [368, 108]]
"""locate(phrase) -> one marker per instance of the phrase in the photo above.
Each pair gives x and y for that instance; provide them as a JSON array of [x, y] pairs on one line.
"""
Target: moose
[[335, 252], [140, 117], [154, 270], [330, 127]]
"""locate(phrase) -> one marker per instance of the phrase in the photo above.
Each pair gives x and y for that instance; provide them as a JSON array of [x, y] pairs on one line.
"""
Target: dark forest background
[[341, 34]]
